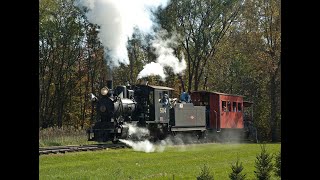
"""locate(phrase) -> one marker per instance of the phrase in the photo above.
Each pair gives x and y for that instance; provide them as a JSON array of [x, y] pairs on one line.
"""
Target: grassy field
[[182, 162], [62, 137]]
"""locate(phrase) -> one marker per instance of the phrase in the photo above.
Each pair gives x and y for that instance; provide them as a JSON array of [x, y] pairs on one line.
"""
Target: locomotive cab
[[153, 107], [153, 104]]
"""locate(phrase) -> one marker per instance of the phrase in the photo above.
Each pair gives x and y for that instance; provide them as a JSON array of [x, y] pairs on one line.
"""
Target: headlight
[[104, 91]]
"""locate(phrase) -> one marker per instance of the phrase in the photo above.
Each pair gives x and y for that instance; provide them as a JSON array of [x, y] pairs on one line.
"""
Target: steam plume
[[137, 132], [144, 145], [165, 57], [152, 69], [117, 19]]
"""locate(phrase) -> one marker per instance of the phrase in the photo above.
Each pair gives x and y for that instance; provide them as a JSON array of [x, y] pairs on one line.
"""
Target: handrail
[[215, 112]]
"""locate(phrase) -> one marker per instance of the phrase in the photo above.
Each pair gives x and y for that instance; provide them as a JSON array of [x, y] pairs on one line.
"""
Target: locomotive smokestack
[[182, 83], [109, 84], [109, 78]]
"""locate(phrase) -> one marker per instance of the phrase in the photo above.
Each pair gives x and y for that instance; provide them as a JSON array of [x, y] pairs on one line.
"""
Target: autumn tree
[[243, 65], [60, 46], [261, 24], [202, 24], [70, 59]]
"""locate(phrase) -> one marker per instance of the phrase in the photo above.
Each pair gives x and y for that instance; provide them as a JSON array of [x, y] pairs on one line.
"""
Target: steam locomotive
[[200, 113]]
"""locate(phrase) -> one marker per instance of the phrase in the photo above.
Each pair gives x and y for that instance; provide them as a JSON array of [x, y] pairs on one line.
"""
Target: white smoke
[[137, 132], [117, 19], [145, 146], [164, 143], [165, 53], [152, 69], [179, 141], [165, 57]]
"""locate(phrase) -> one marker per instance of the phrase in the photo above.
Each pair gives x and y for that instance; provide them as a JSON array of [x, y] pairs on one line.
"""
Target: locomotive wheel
[[173, 133], [115, 142], [104, 137]]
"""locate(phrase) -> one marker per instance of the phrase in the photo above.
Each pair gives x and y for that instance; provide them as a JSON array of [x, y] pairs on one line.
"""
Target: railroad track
[[92, 147]]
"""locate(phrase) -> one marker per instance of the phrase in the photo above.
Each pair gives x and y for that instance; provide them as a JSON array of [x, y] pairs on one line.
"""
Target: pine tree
[[205, 174], [236, 171], [277, 167], [263, 164]]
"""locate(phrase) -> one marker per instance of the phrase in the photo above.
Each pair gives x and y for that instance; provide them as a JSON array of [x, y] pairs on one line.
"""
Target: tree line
[[231, 46]]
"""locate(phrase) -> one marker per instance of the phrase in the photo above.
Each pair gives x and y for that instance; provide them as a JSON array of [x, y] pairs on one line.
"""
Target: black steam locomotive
[[153, 107]]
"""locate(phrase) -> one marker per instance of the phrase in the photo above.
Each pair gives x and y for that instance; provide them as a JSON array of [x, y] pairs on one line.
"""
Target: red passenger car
[[223, 111]]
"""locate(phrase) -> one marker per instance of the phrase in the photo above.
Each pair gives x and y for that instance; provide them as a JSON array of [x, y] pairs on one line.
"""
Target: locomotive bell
[[104, 91]]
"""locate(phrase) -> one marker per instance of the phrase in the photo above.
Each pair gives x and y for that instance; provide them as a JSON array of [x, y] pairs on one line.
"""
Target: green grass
[[62, 136], [181, 162]]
